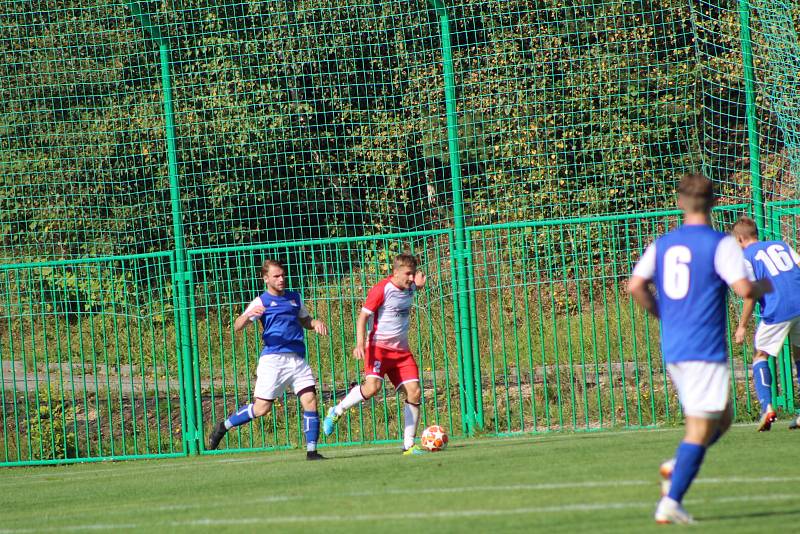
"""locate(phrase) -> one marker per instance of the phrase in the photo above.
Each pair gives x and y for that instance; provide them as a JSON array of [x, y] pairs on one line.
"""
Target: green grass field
[[606, 482]]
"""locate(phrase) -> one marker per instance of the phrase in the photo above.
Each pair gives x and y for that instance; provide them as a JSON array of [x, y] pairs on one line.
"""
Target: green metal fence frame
[[263, 251], [473, 231], [183, 387], [155, 34], [783, 388], [767, 216]]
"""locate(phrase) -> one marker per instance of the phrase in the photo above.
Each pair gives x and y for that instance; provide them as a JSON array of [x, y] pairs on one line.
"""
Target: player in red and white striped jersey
[[387, 353]]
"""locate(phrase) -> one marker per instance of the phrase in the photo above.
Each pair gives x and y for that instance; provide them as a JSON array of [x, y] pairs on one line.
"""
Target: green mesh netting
[[305, 120], [153, 153]]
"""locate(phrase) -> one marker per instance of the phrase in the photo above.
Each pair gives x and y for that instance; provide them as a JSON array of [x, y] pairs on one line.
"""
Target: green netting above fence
[[305, 120]]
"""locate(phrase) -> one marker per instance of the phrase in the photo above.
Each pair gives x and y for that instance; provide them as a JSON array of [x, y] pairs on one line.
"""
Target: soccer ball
[[434, 438]]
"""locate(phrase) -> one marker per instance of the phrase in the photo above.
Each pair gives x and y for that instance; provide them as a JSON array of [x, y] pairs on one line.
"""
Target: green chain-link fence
[[154, 153]]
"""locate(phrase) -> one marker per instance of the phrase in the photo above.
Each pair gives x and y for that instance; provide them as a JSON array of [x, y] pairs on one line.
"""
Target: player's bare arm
[[747, 311], [746, 289], [314, 324], [361, 328], [641, 291], [248, 317], [750, 292]]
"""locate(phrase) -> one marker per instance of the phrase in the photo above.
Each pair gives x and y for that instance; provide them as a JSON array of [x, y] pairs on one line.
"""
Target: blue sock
[[762, 379], [688, 458], [242, 416], [311, 429]]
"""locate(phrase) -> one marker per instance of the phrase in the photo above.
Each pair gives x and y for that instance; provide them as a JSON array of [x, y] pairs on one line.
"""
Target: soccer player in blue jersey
[[780, 310], [283, 318], [691, 268]]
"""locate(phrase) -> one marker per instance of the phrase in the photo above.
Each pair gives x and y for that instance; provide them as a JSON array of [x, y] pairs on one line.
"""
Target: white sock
[[350, 400], [411, 413]]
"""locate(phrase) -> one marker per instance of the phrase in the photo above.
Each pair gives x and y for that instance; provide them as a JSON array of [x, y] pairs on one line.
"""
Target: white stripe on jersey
[[390, 308], [729, 262]]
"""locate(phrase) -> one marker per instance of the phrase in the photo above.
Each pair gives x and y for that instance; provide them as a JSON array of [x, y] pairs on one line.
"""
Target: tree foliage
[[310, 119]]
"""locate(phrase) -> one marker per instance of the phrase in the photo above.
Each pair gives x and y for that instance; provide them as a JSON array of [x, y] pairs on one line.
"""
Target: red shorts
[[398, 365]]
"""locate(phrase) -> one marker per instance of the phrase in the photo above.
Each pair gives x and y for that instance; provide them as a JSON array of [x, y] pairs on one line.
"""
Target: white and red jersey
[[390, 307]]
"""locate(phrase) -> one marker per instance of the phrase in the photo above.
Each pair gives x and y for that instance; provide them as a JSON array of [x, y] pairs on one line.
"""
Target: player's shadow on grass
[[363, 454], [750, 515]]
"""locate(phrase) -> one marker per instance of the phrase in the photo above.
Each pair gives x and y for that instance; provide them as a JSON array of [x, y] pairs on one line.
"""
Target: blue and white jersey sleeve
[[255, 302], [778, 262], [695, 264], [729, 262], [748, 267], [646, 267], [303, 313]]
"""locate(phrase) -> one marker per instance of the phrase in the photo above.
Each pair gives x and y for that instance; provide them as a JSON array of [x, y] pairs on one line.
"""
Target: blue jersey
[[777, 261], [692, 268], [282, 331]]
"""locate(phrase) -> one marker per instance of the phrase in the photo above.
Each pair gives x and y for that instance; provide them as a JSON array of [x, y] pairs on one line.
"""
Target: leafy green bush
[[49, 428], [327, 118]]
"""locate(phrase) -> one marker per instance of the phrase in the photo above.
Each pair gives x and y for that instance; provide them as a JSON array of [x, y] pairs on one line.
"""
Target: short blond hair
[[745, 227], [697, 193], [404, 260], [269, 262]]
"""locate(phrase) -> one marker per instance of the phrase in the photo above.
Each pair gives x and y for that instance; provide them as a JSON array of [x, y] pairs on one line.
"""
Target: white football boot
[[669, 511]]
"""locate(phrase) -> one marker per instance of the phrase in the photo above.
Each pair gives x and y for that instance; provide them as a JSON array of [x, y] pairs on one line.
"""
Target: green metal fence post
[[757, 194], [191, 432], [473, 317], [460, 258]]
